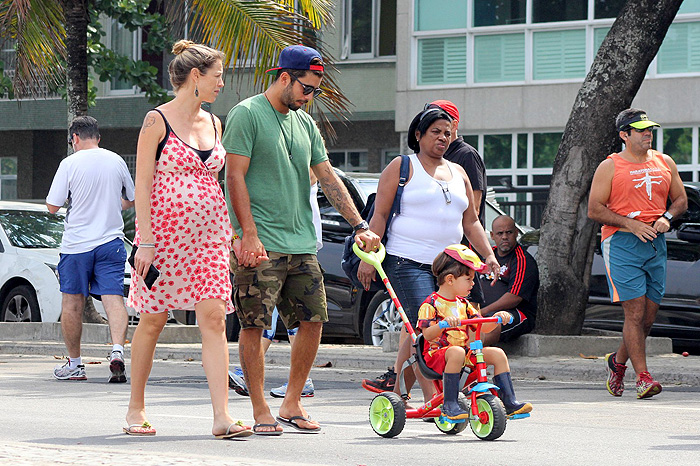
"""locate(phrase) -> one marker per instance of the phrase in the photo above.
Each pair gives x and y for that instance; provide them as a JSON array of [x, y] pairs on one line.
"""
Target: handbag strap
[[403, 179]]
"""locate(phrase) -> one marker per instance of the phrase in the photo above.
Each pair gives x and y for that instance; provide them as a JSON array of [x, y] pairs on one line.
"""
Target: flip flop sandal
[[144, 429], [292, 422], [267, 432], [237, 434]]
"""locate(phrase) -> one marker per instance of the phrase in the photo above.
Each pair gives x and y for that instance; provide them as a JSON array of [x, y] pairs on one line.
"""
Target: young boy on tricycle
[[446, 350]]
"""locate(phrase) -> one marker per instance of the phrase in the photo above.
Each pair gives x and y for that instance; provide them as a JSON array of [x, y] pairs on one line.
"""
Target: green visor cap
[[640, 121]]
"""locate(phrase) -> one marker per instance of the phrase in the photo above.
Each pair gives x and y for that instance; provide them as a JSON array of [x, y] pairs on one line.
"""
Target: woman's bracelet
[[235, 237], [147, 245]]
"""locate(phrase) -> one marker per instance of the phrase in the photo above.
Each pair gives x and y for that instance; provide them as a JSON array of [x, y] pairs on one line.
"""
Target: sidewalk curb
[[667, 368]]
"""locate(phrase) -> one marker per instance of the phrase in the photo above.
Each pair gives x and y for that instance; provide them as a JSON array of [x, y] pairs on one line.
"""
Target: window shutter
[[680, 51], [559, 54], [442, 61], [499, 58]]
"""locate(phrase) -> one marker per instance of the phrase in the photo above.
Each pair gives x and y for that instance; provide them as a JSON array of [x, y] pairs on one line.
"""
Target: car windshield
[[368, 185], [32, 229]]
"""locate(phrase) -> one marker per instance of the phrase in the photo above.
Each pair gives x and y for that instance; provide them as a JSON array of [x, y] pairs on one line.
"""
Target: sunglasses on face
[[306, 89], [637, 130]]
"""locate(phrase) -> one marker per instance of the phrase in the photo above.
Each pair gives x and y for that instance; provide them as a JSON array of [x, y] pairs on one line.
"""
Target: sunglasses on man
[[306, 89]]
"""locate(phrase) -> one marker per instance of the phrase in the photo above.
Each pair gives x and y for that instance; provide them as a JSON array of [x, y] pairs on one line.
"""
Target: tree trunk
[[567, 238], [90, 314], [77, 19]]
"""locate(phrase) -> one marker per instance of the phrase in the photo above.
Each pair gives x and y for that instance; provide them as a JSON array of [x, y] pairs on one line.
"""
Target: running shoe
[[647, 386], [306, 392], [117, 367], [616, 375], [64, 372], [236, 382], [383, 383]]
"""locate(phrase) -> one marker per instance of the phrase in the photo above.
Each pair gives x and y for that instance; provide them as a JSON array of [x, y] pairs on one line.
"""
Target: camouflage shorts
[[292, 282]]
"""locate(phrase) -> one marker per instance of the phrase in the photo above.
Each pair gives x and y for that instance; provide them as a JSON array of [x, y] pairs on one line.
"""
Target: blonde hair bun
[[182, 45]]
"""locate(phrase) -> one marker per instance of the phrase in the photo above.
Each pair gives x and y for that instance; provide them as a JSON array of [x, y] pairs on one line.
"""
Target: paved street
[[47, 421]]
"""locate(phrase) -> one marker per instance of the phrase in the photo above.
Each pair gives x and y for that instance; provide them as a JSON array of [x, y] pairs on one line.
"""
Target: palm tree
[[51, 38]]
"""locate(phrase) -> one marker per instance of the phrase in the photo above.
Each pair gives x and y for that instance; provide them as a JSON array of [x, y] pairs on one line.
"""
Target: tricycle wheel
[[492, 418], [452, 428], [387, 414]]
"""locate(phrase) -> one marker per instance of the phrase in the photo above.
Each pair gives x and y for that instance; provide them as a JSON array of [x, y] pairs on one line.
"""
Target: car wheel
[[381, 316], [233, 327], [20, 305]]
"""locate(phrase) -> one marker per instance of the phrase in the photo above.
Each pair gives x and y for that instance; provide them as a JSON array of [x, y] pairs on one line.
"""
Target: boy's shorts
[[292, 282], [437, 362], [635, 268], [97, 272]]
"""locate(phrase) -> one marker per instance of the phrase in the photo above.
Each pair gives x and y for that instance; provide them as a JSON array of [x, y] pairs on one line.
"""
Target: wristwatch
[[363, 225], [667, 215]]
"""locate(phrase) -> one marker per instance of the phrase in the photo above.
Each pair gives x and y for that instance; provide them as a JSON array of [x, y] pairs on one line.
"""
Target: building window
[[449, 14], [388, 155], [548, 11], [544, 150], [498, 12], [498, 148], [8, 178], [130, 160], [482, 42], [678, 143], [442, 61], [559, 54], [349, 161], [680, 51], [123, 42], [499, 58], [608, 8], [370, 29]]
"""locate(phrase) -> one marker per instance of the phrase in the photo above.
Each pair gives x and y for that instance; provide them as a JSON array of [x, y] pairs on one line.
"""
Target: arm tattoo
[[338, 196], [148, 122]]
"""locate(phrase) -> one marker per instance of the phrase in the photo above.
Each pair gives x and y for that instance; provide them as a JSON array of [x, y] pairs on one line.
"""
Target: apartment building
[[513, 67]]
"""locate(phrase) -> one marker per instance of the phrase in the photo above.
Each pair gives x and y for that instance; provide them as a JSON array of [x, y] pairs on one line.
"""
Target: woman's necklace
[[291, 124], [445, 187]]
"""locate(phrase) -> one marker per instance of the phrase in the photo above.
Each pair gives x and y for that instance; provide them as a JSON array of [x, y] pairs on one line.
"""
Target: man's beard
[[288, 99]]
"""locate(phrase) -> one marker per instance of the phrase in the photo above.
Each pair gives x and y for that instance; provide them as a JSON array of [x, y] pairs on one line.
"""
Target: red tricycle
[[388, 412]]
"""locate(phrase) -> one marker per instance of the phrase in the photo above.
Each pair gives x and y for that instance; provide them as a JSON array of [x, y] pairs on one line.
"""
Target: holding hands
[[249, 251]]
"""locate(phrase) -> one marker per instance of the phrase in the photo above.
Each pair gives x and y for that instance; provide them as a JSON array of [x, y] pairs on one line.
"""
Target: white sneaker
[[64, 372], [306, 392]]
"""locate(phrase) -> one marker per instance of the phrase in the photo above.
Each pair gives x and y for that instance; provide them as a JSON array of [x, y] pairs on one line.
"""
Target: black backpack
[[350, 262]]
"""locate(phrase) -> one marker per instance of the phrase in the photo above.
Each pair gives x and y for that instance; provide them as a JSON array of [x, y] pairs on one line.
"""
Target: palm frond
[[253, 33], [38, 28]]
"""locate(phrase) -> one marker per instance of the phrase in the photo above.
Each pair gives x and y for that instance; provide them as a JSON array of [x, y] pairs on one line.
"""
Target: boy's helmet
[[466, 256]]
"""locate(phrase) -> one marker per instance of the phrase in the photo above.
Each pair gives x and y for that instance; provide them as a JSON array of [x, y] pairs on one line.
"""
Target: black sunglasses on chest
[[306, 89]]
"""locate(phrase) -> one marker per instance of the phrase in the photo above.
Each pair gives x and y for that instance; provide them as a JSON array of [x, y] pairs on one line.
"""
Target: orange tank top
[[639, 190]]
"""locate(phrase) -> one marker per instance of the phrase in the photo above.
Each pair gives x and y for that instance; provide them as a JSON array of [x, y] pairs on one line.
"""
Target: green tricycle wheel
[[387, 414]]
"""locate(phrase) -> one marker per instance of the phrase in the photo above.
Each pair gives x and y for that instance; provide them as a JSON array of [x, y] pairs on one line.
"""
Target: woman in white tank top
[[437, 208]]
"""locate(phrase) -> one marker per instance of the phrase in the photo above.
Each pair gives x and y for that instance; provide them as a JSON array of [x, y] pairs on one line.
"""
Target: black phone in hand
[[152, 274]]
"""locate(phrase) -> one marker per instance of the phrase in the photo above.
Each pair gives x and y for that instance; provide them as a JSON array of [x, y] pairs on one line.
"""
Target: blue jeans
[[270, 334], [412, 282]]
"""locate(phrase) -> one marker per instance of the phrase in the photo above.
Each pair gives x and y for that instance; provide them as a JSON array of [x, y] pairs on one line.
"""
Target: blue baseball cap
[[297, 57]]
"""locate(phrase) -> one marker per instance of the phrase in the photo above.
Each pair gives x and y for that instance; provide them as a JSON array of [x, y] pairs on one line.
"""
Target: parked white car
[[30, 241]]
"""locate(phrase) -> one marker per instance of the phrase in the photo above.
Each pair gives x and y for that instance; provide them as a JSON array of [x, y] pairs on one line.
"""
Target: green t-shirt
[[278, 184]]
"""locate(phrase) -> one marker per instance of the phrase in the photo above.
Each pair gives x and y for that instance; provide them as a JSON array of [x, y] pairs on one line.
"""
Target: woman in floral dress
[[183, 229]]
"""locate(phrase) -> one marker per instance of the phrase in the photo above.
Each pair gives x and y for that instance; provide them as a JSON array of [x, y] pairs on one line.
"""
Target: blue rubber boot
[[450, 408], [507, 395]]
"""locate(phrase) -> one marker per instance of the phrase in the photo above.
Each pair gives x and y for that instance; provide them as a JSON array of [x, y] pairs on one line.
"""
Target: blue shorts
[[635, 268], [97, 272]]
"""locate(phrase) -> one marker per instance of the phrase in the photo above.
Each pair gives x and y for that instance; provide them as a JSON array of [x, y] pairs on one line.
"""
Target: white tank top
[[427, 223]]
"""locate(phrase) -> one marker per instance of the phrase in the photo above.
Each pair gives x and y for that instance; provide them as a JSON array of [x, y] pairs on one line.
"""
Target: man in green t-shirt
[[269, 152]]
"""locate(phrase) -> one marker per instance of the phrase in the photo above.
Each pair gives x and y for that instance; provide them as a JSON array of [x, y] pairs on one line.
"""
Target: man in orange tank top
[[629, 194]]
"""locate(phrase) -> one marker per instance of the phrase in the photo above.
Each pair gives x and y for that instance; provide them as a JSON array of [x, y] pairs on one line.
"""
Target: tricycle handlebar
[[474, 321]]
